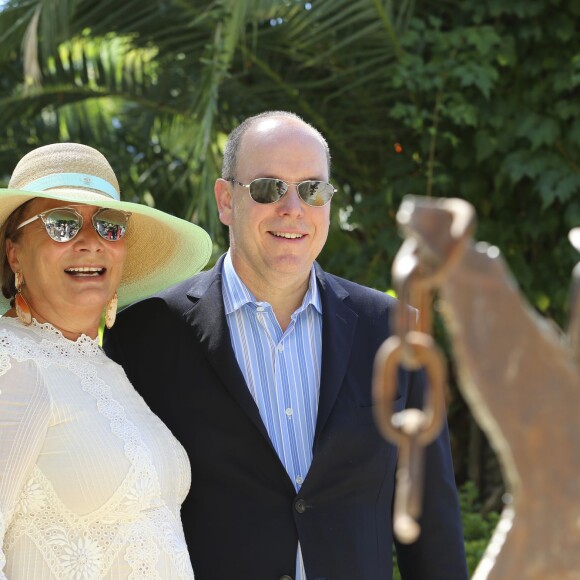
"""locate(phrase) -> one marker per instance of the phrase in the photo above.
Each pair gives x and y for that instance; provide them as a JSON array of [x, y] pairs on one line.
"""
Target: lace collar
[[47, 334]]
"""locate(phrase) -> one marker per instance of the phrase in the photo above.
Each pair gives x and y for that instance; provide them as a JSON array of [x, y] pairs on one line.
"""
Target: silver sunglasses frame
[[287, 184], [42, 215]]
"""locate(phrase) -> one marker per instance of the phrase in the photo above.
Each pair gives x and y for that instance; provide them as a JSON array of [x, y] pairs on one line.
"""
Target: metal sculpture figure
[[518, 373]]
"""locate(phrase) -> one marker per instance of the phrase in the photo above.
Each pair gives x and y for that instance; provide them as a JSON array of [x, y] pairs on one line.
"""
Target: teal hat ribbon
[[73, 180]]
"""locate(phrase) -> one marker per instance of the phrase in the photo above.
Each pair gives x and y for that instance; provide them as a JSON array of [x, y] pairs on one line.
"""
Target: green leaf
[[540, 130], [558, 185], [485, 145]]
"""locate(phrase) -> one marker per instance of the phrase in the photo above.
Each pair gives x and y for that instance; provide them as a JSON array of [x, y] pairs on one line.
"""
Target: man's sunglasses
[[64, 223], [270, 190]]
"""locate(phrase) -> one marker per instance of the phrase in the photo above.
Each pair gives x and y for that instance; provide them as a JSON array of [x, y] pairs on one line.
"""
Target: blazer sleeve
[[439, 552]]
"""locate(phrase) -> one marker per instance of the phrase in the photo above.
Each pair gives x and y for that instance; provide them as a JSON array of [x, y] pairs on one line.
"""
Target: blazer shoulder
[[166, 309], [358, 295], [179, 298]]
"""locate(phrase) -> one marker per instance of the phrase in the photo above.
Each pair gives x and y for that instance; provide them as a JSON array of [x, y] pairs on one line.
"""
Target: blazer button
[[285, 577], [300, 506]]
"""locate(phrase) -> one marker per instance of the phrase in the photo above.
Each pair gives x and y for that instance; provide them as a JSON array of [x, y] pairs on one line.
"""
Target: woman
[[91, 482]]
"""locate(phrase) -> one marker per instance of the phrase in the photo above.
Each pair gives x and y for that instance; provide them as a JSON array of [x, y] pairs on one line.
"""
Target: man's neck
[[284, 293], [284, 301]]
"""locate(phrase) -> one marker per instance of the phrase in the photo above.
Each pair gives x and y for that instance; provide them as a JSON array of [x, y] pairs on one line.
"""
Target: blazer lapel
[[207, 319], [338, 329]]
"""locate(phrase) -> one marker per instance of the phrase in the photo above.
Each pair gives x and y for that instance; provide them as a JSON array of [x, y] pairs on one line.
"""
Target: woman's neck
[[71, 332]]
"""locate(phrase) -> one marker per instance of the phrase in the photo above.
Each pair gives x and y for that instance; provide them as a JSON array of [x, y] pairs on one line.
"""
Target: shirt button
[[289, 412], [299, 480], [260, 309], [280, 347], [300, 506]]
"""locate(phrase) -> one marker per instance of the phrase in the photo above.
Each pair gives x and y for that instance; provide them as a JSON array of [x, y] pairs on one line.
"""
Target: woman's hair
[[9, 232]]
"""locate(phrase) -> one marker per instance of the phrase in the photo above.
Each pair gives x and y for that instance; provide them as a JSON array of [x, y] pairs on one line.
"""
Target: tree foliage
[[478, 100], [469, 99]]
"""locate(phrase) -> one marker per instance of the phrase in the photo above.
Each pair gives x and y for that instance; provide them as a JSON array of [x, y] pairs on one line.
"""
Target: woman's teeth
[[85, 271]]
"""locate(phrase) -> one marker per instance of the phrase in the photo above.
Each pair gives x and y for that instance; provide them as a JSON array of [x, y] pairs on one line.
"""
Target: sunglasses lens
[[267, 189], [62, 224], [316, 192], [111, 224], [270, 190]]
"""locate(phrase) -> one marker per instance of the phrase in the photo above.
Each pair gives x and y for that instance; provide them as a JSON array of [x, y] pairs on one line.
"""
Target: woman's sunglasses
[[270, 190], [64, 223]]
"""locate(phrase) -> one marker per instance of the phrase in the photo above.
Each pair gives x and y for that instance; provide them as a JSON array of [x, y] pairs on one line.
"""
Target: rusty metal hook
[[416, 274]]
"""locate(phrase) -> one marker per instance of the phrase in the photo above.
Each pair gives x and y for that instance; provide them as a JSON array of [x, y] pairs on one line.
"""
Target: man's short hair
[[229, 164]]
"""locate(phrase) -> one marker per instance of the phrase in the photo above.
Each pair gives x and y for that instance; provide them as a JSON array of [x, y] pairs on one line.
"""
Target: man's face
[[275, 243]]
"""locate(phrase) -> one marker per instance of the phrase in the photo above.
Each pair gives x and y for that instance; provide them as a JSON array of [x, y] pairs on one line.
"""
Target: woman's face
[[66, 282]]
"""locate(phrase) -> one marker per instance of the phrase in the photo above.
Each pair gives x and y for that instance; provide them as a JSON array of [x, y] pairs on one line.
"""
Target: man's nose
[[291, 201]]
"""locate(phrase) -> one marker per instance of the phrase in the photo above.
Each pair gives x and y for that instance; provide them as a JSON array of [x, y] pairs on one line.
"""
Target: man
[[262, 368]]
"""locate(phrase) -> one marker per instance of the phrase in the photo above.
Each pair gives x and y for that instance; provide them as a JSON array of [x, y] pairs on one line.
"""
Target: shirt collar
[[236, 293]]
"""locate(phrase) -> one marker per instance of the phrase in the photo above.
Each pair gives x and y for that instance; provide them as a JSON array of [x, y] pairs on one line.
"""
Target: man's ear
[[223, 196]]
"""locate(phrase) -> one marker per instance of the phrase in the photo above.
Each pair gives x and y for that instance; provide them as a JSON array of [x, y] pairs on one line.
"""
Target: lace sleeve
[[2, 557], [4, 363], [24, 419]]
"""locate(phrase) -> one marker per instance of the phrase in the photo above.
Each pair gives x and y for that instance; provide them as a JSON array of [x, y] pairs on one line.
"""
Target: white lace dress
[[91, 481]]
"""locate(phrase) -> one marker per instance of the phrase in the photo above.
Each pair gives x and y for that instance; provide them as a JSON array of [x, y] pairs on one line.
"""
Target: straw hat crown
[[62, 158]]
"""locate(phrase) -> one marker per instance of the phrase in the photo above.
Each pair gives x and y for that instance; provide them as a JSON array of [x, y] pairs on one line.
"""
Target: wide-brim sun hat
[[162, 249]]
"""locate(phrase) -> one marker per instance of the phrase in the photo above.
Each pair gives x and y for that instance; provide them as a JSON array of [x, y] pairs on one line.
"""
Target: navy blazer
[[242, 517]]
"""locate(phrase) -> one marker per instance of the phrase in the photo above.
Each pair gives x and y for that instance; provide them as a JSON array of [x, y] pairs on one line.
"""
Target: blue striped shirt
[[282, 370]]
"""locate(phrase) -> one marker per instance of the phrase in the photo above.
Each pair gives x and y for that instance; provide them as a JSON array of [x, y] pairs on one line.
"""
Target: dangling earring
[[111, 311], [22, 308]]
